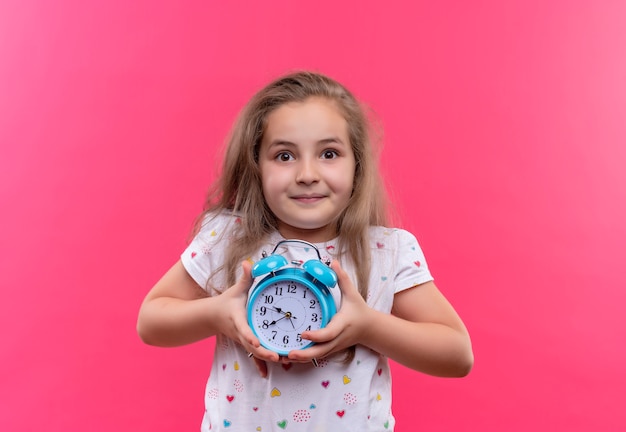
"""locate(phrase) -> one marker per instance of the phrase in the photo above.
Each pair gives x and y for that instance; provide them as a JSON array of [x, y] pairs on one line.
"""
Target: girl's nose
[[307, 173]]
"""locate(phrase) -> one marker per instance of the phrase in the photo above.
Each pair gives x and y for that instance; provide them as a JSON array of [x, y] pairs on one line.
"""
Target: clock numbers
[[291, 289], [285, 310]]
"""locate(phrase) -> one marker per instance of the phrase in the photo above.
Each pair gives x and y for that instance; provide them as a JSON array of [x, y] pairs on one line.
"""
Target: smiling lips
[[308, 199]]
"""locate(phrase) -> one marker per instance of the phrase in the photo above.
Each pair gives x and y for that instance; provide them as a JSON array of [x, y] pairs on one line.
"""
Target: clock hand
[[291, 317], [279, 310], [286, 314], [274, 322]]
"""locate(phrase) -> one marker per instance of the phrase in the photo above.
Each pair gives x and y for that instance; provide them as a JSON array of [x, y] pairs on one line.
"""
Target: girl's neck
[[317, 235]]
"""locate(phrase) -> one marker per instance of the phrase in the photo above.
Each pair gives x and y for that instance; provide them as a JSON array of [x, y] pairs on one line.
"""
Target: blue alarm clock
[[291, 298]]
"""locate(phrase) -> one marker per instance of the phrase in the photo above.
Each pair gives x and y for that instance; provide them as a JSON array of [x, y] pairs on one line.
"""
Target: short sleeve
[[411, 266], [205, 254]]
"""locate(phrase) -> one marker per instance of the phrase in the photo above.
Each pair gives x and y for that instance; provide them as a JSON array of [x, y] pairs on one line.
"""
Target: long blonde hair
[[238, 188]]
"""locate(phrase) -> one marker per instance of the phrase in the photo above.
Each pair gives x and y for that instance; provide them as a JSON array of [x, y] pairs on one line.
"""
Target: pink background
[[505, 145]]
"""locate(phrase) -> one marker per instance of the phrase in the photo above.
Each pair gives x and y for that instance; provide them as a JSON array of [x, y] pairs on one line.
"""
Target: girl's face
[[307, 168]]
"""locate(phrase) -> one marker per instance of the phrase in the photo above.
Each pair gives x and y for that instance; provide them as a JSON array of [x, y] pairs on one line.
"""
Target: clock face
[[283, 309]]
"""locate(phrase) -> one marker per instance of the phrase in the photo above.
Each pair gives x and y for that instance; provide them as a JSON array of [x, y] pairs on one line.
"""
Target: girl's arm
[[423, 332], [177, 311]]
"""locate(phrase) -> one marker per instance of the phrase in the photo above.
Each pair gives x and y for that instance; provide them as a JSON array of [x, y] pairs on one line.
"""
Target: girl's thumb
[[245, 281], [343, 280]]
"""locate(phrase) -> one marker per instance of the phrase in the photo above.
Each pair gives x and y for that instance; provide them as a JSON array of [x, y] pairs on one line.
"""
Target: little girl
[[300, 165]]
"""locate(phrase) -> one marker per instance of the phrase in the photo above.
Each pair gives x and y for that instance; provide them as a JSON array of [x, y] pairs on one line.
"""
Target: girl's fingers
[[328, 333], [245, 281], [343, 279], [318, 351], [261, 353]]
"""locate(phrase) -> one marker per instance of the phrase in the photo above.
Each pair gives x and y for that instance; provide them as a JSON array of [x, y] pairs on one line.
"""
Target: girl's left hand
[[344, 329]]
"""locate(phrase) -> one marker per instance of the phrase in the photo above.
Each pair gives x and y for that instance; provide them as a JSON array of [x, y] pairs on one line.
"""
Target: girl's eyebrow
[[281, 142], [331, 140], [324, 141]]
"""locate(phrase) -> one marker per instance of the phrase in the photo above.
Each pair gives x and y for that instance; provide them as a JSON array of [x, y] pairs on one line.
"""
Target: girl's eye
[[329, 154], [284, 157]]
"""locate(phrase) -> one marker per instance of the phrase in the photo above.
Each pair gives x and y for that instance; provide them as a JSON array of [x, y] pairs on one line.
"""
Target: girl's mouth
[[308, 199]]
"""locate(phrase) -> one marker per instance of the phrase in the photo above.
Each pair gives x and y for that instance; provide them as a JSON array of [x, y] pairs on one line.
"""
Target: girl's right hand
[[233, 323], [177, 312]]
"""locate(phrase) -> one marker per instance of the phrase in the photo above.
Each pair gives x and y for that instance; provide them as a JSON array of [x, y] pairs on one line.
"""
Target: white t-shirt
[[335, 396]]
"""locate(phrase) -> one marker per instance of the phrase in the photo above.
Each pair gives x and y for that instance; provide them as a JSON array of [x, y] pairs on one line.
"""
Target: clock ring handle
[[299, 241]]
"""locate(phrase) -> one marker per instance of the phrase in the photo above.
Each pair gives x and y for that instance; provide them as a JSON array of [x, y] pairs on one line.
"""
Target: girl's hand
[[344, 329], [234, 323]]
